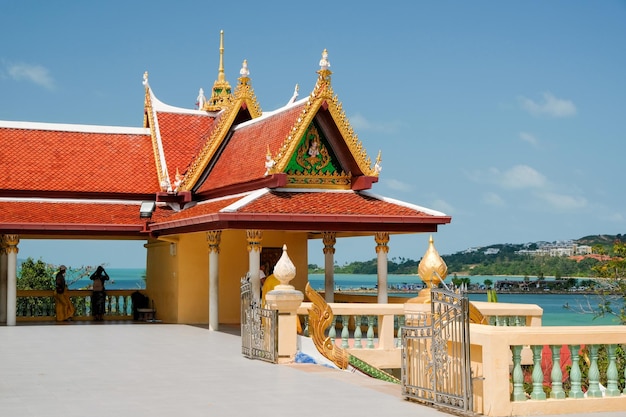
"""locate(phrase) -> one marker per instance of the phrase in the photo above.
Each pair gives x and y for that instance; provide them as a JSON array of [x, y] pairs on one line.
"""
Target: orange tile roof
[[182, 136], [347, 210], [40, 216], [70, 161], [243, 158]]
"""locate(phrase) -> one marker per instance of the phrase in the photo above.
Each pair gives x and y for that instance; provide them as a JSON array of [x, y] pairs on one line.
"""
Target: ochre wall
[[178, 276], [162, 280]]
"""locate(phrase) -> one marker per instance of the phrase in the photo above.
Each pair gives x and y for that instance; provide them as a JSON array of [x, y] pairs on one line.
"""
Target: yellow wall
[[178, 276], [162, 280]]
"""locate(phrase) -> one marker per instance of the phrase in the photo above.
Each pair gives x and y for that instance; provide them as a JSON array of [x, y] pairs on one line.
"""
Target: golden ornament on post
[[432, 270]]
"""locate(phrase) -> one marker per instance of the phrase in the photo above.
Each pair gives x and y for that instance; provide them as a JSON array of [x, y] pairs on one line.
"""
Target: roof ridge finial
[[221, 95], [324, 70], [220, 72]]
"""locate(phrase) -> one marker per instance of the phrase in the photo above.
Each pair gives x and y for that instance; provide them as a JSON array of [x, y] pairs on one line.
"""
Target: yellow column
[[382, 239], [329, 239], [213, 238], [11, 242], [254, 238], [3, 280]]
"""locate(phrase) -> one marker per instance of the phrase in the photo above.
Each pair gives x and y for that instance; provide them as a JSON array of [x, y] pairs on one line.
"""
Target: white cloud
[[397, 185], [520, 176], [32, 73], [551, 106], [493, 199], [443, 206], [360, 123], [529, 138], [563, 201]]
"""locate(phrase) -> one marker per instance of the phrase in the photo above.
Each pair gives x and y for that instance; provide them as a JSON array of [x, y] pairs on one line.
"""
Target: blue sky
[[508, 116]]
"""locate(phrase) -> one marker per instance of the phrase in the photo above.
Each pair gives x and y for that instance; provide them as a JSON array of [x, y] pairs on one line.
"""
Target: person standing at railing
[[63, 304], [98, 295]]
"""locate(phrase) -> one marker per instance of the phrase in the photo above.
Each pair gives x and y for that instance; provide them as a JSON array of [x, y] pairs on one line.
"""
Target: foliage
[[612, 291], [508, 261], [38, 275]]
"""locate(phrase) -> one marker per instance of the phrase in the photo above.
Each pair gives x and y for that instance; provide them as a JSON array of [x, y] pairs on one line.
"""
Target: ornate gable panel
[[314, 163]]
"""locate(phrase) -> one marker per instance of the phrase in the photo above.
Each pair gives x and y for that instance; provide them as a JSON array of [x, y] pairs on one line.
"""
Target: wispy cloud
[[35, 74], [397, 185], [529, 138], [493, 199], [563, 201], [550, 106], [519, 176], [443, 206], [361, 123], [530, 185]]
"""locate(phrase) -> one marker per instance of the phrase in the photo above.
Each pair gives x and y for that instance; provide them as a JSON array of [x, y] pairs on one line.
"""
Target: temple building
[[215, 192]]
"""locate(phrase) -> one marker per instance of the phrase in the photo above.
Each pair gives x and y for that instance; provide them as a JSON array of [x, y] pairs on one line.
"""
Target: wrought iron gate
[[435, 353], [259, 327]]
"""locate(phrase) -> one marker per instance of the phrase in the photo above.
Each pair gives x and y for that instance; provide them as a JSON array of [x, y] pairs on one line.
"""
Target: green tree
[[612, 288], [35, 275]]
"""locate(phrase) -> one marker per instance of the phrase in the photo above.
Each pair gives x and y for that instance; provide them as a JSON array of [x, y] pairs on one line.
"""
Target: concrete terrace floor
[[107, 369]]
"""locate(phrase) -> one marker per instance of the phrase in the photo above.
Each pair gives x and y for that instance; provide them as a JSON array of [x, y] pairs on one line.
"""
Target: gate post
[[286, 299]]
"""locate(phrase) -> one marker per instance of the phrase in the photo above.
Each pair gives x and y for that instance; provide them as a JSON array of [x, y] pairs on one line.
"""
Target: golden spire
[[221, 95], [432, 269]]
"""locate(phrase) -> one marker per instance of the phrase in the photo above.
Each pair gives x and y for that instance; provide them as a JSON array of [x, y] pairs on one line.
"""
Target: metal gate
[[435, 353], [259, 327]]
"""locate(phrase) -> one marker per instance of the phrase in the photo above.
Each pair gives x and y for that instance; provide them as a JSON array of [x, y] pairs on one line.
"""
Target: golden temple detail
[[320, 318], [221, 94], [432, 269], [323, 95]]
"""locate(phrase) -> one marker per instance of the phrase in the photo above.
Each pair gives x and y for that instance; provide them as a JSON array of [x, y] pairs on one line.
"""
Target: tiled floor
[[164, 370]]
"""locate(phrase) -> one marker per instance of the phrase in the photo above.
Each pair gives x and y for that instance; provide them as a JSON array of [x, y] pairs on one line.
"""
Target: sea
[[554, 306], [119, 279]]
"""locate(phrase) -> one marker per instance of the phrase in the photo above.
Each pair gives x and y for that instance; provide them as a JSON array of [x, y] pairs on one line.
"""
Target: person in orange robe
[[63, 304]]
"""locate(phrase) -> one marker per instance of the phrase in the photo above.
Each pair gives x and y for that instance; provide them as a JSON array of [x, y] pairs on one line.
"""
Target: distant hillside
[[498, 259]]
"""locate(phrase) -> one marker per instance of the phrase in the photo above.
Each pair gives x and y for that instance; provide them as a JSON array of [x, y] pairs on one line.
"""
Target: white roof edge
[[403, 204], [265, 115], [158, 105], [74, 128], [67, 200], [244, 201]]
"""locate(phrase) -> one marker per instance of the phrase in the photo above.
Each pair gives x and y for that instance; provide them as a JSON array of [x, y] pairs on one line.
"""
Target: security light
[[146, 209]]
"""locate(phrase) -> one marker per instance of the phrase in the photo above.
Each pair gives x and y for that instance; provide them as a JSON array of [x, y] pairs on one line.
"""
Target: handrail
[[499, 383], [38, 305]]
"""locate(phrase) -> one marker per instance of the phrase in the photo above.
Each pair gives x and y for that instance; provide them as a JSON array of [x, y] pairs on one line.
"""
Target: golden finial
[[221, 95], [220, 71], [324, 70], [432, 269]]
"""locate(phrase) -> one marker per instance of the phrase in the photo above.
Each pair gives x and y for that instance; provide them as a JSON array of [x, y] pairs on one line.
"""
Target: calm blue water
[[121, 279], [554, 314]]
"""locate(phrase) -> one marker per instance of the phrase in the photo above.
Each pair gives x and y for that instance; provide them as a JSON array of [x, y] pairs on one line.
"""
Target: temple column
[[254, 238], [382, 239], [329, 239], [213, 238], [3, 280], [11, 242]]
